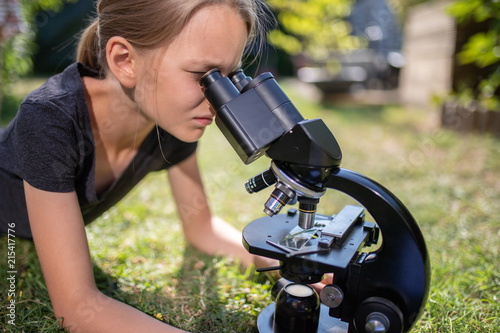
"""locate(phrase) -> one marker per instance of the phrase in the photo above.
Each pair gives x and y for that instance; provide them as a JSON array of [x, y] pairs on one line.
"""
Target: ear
[[121, 58]]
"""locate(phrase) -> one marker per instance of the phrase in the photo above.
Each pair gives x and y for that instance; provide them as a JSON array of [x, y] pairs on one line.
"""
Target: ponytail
[[88, 47]]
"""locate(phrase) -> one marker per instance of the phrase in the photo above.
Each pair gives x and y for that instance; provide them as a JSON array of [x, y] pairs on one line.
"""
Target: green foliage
[[482, 49], [475, 10], [314, 28], [17, 52]]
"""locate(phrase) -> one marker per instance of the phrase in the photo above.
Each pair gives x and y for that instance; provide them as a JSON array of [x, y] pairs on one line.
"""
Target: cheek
[[146, 92], [180, 101], [189, 94], [178, 93]]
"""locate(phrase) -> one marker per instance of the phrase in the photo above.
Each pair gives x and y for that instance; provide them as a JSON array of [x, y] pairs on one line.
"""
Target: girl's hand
[[327, 279]]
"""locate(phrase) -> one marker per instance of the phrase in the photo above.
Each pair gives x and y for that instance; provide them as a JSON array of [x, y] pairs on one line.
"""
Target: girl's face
[[168, 90]]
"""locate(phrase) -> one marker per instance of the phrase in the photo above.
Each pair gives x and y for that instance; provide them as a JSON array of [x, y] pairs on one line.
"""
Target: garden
[[449, 181]]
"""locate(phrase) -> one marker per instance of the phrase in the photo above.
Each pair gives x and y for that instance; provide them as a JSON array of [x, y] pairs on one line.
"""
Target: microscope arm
[[400, 269]]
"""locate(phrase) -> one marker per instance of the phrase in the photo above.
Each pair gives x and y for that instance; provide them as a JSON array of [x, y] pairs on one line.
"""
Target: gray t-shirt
[[50, 144]]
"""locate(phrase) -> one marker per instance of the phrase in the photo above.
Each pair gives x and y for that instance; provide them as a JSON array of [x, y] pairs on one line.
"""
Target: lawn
[[450, 183]]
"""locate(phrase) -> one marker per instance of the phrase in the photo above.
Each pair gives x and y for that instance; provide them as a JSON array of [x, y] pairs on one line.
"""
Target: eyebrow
[[205, 67]]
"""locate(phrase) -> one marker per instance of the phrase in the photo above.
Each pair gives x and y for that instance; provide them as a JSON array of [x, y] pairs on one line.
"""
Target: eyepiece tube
[[219, 90], [210, 77], [239, 79]]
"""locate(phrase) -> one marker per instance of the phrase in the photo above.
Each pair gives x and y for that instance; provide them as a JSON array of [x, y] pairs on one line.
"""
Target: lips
[[205, 121]]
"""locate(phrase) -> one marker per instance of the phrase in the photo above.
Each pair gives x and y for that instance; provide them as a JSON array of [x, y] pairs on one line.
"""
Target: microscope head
[[258, 118]]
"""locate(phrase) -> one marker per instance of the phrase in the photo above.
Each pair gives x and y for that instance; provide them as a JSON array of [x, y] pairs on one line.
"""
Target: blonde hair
[[148, 24]]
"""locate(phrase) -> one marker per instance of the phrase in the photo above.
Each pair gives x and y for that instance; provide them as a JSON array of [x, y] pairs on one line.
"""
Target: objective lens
[[275, 202], [260, 182], [307, 212], [279, 198]]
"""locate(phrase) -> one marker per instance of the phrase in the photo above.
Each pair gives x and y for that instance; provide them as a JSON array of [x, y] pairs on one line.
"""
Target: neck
[[116, 121]]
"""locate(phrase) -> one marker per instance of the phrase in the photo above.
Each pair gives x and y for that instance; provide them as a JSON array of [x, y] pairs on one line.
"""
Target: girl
[[131, 105]]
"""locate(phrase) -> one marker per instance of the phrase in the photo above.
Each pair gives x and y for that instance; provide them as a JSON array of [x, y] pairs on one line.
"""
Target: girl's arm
[[61, 243], [204, 231]]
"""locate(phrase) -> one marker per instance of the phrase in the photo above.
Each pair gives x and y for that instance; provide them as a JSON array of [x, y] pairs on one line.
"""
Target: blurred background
[[438, 53], [409, 88]]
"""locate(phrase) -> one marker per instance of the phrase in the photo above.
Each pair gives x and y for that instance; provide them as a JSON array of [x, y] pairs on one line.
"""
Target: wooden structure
[[431, 41], [429, 48]]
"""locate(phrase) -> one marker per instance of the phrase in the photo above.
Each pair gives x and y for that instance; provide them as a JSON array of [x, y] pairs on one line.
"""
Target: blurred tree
[[313, 28], [17, 52], [58, 35], [481, 50], [11, 23], [318, 28]]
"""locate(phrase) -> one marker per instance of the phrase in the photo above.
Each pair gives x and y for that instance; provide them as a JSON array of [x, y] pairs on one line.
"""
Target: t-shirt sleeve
[[46, 147]]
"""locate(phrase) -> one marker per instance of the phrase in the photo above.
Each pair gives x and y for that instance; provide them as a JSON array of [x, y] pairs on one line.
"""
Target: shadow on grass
[[199, 296], [191, 300], [195, 297], [211, 295]]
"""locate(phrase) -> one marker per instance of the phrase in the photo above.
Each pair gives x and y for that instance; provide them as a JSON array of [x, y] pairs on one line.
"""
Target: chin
[[190, 136]]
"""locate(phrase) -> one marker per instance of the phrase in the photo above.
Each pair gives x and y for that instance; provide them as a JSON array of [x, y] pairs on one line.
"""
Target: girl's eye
[[197, 75]]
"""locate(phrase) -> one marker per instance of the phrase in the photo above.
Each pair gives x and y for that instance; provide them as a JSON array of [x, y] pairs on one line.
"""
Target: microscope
[[381, 269]]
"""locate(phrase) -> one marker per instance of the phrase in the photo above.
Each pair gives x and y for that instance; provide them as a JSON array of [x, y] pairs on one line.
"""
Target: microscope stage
[[262, 236]]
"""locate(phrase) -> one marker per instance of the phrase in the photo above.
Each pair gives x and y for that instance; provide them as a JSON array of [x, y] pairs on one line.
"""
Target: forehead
[[214, 35]]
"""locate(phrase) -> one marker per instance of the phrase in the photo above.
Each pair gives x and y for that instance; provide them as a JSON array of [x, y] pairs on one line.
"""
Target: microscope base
[[327, 324]]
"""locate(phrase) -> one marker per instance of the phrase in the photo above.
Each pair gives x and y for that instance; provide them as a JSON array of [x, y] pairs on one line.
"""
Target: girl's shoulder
[[51, 135], [60, 100], [62, 89]]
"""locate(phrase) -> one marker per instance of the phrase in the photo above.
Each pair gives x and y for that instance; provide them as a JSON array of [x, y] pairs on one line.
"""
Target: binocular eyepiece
[[238, 78], [251, 113]]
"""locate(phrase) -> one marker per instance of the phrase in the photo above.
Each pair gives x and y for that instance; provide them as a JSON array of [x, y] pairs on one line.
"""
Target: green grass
[[450, 183]]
